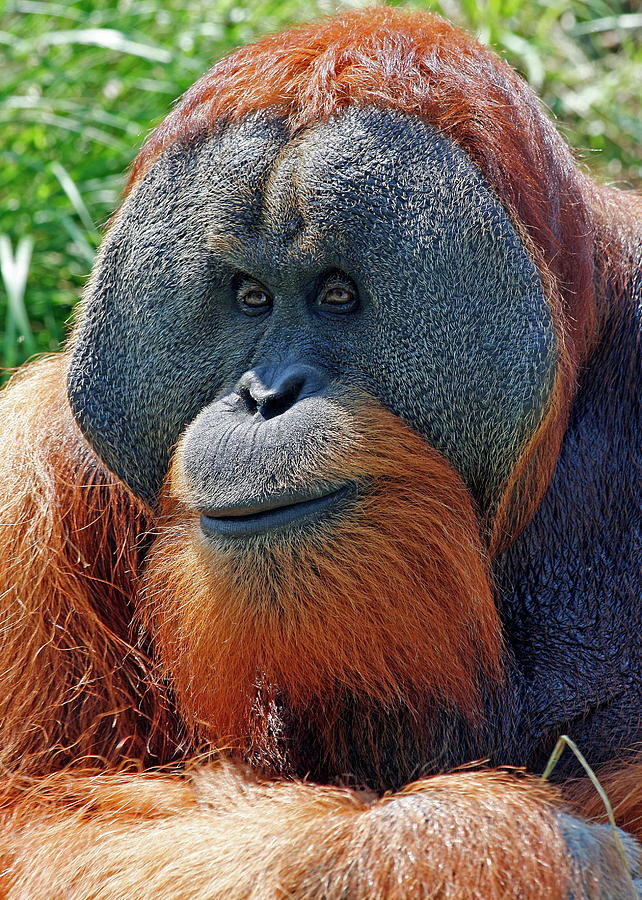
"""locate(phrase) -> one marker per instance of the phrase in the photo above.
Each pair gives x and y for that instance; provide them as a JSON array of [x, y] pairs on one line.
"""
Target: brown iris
[[254, 298]]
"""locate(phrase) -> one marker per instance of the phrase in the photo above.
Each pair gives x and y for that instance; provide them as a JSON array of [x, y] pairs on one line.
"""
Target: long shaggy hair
[[75, 676]]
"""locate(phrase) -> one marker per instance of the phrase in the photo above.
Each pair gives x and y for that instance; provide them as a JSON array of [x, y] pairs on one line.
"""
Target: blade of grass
[[82, 246], [40, 117], [75, 198], [14, 271], [48, 9], [563, 742], [77, 111], [109, 38], [609, 23]]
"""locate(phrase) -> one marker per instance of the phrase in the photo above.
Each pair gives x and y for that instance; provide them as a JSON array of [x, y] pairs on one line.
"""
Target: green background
[[82, 84]]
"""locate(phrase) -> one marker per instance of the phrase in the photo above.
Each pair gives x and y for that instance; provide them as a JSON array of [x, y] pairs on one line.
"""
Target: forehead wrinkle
[[262, 256], [259, 227], [224, 243], [281, 204]]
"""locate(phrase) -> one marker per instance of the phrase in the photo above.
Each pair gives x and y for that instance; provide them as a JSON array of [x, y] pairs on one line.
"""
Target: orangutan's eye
[[253, 298], [338, 295]]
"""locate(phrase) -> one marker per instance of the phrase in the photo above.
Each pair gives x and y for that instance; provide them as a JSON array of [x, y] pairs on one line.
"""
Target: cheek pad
[[460, 341], [151, 350]]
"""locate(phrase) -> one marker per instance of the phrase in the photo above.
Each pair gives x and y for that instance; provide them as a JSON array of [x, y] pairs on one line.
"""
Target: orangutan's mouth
[[253, 518]]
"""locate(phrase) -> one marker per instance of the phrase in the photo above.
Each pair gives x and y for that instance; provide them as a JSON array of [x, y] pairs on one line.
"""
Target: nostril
[[276, 402], [272, 393], [247, 399]]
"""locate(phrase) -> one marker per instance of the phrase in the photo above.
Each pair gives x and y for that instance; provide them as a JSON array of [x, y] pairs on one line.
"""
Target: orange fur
[[73, 686], [470, 835], [392, 605], [623, 787]]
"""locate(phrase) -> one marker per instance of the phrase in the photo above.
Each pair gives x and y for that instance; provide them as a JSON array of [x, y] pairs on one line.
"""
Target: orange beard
[[350, 648]]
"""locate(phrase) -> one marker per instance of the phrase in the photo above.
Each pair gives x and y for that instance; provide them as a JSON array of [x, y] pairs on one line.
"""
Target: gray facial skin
[[452, 331]]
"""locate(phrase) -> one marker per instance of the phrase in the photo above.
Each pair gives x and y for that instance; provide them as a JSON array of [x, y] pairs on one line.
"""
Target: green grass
[[84, 82]]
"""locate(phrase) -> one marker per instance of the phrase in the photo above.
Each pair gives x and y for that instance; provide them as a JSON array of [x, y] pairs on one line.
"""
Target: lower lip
[[272, 519]]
